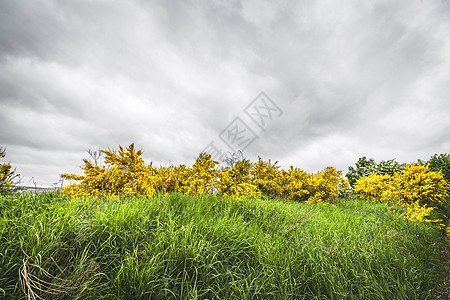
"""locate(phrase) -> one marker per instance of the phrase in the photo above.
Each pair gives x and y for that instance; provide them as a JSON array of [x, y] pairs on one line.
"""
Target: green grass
[[181, 247]]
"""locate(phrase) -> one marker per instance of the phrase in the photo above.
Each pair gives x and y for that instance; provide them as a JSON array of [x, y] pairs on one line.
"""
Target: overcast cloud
[[354, 78]]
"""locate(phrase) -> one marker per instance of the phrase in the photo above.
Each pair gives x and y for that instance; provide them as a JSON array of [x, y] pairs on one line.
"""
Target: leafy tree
[[389, 167], [364, 167], [441, 163], [7, 175]]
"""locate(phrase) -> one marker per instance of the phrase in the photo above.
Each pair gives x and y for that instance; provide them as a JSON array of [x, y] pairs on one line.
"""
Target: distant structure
[[37, 190]]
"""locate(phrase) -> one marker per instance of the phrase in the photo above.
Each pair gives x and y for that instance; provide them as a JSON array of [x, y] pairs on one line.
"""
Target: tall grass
[[182, 247]]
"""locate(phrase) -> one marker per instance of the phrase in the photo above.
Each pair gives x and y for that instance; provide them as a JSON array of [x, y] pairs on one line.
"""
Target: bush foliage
[[125, 173], [7, 175], [417, 188], [414, 187]]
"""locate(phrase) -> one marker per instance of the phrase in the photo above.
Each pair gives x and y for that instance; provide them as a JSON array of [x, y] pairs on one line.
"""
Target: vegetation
[[441, 163], [417, 189], [365, 167], [250, 230], [177, 246], [125, 173], [7, 175]]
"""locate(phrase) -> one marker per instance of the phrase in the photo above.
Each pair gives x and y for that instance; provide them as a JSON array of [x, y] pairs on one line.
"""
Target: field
[[176, 246]]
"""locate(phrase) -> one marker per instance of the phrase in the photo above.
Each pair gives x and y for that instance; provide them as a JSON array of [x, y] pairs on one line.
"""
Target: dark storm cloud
[[360, 68]]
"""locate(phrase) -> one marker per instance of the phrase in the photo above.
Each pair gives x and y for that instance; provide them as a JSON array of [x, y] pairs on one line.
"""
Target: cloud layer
[[356, 78]]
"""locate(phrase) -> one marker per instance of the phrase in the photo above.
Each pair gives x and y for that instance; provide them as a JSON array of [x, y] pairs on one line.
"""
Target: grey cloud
[[170, 76]]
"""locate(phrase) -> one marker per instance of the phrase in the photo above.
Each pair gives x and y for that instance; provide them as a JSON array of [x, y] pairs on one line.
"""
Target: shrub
[[237, 182], [374, 186], [299, 184], [7, 175], [418, 184], [172, 178], [125, 173], [200, 178], [268, 178], [417, 189], [325, 186]]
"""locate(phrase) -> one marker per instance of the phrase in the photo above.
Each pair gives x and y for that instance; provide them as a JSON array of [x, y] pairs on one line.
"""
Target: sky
[[306, 83]]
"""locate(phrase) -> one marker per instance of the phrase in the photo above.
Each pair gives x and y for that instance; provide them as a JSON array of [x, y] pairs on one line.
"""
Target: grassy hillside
[[184, 247]]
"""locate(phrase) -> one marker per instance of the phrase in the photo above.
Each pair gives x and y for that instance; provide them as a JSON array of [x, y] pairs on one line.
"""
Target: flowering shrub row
[[417, 189], [125, 173]]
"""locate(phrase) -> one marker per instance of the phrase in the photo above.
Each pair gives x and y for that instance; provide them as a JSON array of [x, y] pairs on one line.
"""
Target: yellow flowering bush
[[418, 184], [268, 179], [419, 213], [172, 179], [417, 189], [298, 184], [125, 173], [374, 186], [236, 181], [7, 174], [200, 178], [325, 186]]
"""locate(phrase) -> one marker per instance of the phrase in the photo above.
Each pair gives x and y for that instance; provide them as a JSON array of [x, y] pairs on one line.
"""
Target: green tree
[[363, 167], [389, 167], [441, 163]]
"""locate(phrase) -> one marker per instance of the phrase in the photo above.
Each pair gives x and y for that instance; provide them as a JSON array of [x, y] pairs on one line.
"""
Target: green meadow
[[208, 247]]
